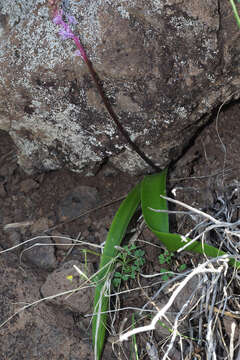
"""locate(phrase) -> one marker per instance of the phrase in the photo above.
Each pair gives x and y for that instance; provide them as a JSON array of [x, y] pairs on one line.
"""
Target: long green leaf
[[235, 11], [115, 236], [152, 187]]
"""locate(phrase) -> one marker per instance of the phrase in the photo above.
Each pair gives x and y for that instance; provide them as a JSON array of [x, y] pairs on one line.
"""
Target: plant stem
[[113, 115]]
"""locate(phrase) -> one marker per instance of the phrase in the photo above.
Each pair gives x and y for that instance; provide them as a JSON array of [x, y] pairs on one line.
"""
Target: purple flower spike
[[65, 31]]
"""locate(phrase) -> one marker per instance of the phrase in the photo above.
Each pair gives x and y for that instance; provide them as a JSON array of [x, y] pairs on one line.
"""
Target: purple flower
[[72, 20], [77, 53], [66, 32], [80, 53], [58, 20]]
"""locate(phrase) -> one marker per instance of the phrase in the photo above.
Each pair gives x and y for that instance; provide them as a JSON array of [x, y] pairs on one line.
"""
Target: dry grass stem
[[79, 242], [201, 269]]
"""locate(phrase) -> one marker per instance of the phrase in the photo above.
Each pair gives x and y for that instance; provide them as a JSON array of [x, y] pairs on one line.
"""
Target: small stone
[[28, 185], [40, 253], [11, 239], [61, 242]]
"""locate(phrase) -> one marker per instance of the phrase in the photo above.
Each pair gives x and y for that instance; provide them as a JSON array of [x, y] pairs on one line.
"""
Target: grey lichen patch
[[52, 135], [181, 111], [47, 143], [207, 13], [183, 25], [17, 10]]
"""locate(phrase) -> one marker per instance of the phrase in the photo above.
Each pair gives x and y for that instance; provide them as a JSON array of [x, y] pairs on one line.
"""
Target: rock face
[[165, 66]]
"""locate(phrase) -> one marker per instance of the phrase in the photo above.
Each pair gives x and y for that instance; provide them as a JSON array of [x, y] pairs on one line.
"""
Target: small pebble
[[42, 255]]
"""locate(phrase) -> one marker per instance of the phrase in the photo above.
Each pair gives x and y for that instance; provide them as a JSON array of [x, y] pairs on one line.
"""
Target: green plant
[[166, 258], [166, 274], [182, 267], [130, 261], [114, 238], [150, 194]]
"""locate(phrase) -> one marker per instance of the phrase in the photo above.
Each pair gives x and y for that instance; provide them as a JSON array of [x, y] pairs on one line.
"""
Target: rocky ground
[[49, 206]]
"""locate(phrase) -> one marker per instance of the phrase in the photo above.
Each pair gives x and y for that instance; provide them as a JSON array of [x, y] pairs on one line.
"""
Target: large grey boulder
[[165, 66]]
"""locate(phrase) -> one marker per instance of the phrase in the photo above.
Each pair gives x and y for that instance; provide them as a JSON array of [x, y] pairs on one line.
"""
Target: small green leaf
[[139, 253], [167, 274], [165, 277], [162, 259], [182, 267], [117, 274], [116, 282], [163, 270]]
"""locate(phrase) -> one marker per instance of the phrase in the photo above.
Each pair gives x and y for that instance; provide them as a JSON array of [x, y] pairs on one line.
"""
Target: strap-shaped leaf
[[152, 187], [115, 236]]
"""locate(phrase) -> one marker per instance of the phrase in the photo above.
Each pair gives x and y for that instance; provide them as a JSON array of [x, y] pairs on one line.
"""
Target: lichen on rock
[[164, 66]]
